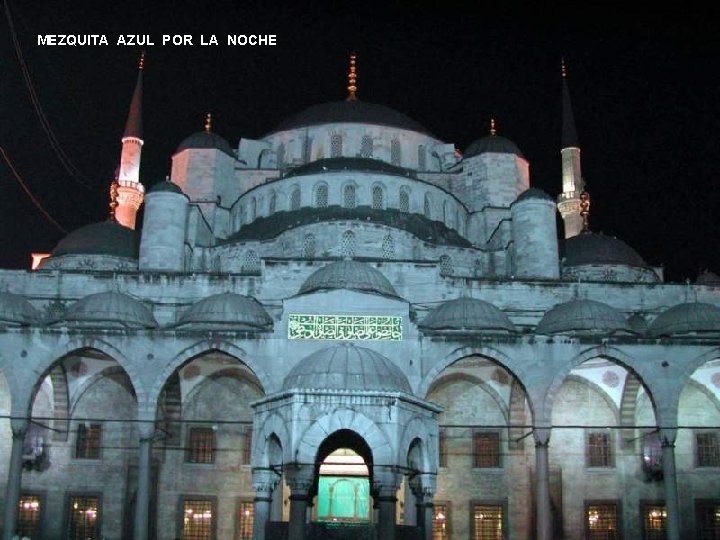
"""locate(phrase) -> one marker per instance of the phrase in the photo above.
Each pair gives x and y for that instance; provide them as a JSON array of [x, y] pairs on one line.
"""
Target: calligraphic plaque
[[345, 327]]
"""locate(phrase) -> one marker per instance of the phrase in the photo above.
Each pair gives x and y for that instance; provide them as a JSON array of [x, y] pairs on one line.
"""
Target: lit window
[[87, 445], [487, 522], [404, 200], [28, 519], [198, 516], [378, 201], [336, 145], [245, 518], [395, 153], [201, 445], [598, 451], [707, 449], [486, 449], [708, 519], [347, 246], [295, 199], [601, 521], [321, 196], [366, 146], [441, 521], [308, 250], [654, 519], [349, 198], [83, 518]]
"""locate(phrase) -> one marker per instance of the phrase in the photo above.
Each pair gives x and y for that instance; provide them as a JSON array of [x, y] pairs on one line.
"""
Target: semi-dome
[[467, 314], [583, 317], [104, 238], [492, 144], [687, 318], [348, 274], [166, 186], [353, 112], [205, 140], [226, 311], [347, 367], [591, 248], [357, 164], [109, 309], [16, 310]]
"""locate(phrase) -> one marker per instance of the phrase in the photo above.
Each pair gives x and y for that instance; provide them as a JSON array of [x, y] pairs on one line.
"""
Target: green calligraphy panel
[[345, 327]]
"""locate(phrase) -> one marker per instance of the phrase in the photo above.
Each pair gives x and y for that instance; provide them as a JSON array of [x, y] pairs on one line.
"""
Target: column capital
[[542, 436], [146, 431], [299, 479], [667, 437], [264, 480], [19, 426]]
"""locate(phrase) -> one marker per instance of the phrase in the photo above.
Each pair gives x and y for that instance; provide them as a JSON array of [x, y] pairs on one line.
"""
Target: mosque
[[349, 329]]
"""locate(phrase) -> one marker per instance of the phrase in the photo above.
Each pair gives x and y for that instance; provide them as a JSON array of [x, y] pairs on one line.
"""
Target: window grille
[[198, 516], [251, 263], [395, 152], [707, 447], [308, 250], [404, 200], [599, 449], [295, 199], [388, 247], [83, 518], [89, 438], [378, 202], [273, 202], [487, 522], [349, 197], [707, 519], [442, 448], [281, 155], [366, 146], [201, 445], [427, 210], [307, 149], [654, 521], [28, 519], [321, 196], [446, 266], [245, 518], [422, 163], [336, 145], [348, 244], [602, 521], [253, 210], [486, 449], [441, 520]]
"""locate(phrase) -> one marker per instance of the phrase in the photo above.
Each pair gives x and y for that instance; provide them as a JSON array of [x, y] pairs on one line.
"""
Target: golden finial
[[352, 79], [585, 211], [563, 70], [113, 199], [141, 64], [493, 131], [208, 122]]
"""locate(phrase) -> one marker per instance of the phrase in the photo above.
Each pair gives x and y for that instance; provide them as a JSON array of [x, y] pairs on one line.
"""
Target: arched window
[[422, 163], [295, 199], [388, 247], [273, 202], [395, 154], [336, 145], [281, 155], [308, 249], [251, 263], [366, 146], [253, 210], [378, 202], [446, 266], [348, 244], [427, 207], [307, 149], [349, 196], [404, 200], [321, 196]]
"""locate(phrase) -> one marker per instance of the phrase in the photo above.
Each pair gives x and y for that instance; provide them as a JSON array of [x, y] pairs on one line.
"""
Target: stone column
[[386, 489], [423, 489], [12, 489], [543, 508], [672, 506], [146, 432], [264, 482], [300, 482], [410, 506]]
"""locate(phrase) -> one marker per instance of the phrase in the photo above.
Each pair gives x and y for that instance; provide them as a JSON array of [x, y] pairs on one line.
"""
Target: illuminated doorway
[[343, 488]]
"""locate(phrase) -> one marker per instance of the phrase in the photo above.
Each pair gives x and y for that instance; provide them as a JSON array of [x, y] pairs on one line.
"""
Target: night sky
[[645, 89]]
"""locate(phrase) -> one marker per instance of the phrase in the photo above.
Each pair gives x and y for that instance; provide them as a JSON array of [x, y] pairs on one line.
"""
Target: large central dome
[[355, 112]]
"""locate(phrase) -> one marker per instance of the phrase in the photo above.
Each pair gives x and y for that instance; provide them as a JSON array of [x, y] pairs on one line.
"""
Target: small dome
[[16, 310], [494, 144], [104, 238], [226, 311], [352, 112], [638, 323], [711, 279], [347, 367], [467, 314], [591, 248], [205, 140], [166, 186], [110, 309], [582, 317], [353, 275], [687, 318], [533, 193]]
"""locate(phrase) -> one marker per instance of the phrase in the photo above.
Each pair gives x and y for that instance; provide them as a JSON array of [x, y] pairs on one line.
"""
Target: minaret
[[130, 192], [352, 79], [573, 185]]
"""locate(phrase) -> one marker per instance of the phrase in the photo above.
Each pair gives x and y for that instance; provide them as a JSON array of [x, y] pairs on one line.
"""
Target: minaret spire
[[574, 201], [352, 79], [493, 130], [130, 192], [208, 122]]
